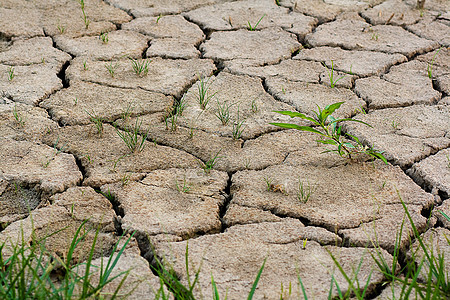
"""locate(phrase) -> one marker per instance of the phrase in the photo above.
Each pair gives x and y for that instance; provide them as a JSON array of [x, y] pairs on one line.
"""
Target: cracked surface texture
[[151, 118]]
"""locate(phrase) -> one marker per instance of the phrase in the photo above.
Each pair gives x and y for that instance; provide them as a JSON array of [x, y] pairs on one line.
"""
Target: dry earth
[[59, 76]]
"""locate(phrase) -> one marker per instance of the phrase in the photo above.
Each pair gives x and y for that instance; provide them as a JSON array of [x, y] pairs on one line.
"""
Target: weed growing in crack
[[203, 95], [331, 74], [184, 188], [29, 268], [430, 64], [253, 28], [331, 132], [305, 190], [374, 36], [223, 112], [127, 111], [11, 74], [85, 18], [104, 37], [210, 164], [97, 120], [171, 121], [61, 28], [268, 181], [18, 116], [238, 127], [140, 67], [85, 68], [181, 105], [111, 68], [116, 162], [125, 179], [254, 106], [132, 138], [46, 163]]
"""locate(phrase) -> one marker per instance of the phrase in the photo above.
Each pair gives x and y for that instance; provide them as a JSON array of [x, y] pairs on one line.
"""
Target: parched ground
[[216, 178]]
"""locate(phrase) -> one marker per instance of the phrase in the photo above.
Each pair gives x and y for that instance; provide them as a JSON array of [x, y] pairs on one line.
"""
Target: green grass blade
[[294, 114], [255, 284], [214, 289], [295, 126]]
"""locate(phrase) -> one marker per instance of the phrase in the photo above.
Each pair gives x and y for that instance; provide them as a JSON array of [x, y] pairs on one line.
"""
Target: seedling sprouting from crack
[[223, 112], [132, 138], [18, 116], [210, 164], [11, 74], [253, 28], [331, 74], [184, 187], [140, 67], [61, 28], [203, 94], [111, 68], [327, 127], [430, 64], [305, 190], [85, 65], [104, 37], [181, 105], [85, 18], [254, 106], [57, 151], [171, 121], [97, 120], [268, 181], [238, 127]]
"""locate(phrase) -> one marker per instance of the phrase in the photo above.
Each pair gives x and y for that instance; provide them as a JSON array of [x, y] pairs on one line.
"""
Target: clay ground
[[217, 177]]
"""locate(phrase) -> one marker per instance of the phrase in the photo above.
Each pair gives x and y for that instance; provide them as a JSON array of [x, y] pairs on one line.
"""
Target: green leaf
[[352, 120], [327, 142], [379, 156], [329, 109], [295, 126], [294, 114], [255, 284]]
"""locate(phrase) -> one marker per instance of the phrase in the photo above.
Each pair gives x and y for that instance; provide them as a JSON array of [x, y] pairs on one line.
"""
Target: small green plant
[[116, 162], [181, 105], [331, 132], [210, 164], [158, 18], [85, 18], [97, 120], [253, 28], [254, 107], [61, 28], [104, 37], [132, 138], [11, 74], [125, 179], [395, 124], [269, 183], [430, 64], [223, 112], [18, 116], [171, 121], [331, 74], [127, 111], [85, 67], [184, 187], [238, 127], [203, 94], [448, 160], [305, 190], [75, 101], [111, 68], [277, 2], [374, 36], [57, 151], [140, 67]]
